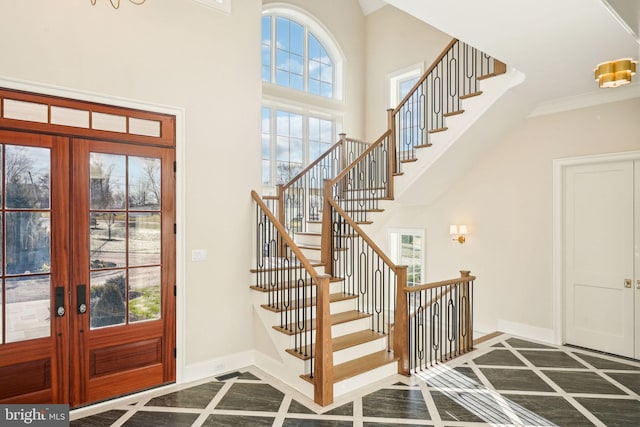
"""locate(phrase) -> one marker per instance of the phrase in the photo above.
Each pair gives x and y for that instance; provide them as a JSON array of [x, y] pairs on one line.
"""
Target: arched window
[[302, 89]]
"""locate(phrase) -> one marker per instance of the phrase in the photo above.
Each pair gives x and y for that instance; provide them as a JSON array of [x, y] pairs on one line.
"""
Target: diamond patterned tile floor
[[506, 381]]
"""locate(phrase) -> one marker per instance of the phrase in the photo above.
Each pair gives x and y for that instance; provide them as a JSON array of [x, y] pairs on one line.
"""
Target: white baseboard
[[526, 331], [220, 365]]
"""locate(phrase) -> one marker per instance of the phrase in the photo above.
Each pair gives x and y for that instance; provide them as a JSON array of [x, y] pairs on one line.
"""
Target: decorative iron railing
[[365, 270], [294, 290], [300, 200], [452, 77], [440, 321]]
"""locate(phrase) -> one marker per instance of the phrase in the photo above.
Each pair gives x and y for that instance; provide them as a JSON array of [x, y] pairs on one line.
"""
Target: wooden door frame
[[559, 168], [180, 138]]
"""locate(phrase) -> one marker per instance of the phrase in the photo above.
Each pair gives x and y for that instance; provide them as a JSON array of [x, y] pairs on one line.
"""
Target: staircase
[[325, 294]]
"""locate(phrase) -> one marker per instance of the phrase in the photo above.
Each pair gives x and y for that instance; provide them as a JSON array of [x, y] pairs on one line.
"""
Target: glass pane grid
[[25, 230], [125, 244]]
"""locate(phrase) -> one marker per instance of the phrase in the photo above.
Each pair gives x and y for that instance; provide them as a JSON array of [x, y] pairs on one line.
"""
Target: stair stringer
[[474, 108]]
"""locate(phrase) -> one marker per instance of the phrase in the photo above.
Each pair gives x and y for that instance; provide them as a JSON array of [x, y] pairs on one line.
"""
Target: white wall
[[506, 200]]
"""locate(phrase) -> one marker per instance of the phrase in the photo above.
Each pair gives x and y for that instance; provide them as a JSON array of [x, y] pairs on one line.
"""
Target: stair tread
[[334, 319], [342, 342], [427, 145], [453, 113], [280, 286], [358, 366], [470, 95], [308, 233], [335, 297], [442, 129]]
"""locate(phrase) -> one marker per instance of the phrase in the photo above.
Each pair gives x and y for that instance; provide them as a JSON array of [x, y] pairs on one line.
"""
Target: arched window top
[[299, 53]]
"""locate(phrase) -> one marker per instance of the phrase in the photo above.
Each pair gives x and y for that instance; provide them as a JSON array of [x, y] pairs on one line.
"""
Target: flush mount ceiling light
[[116, 3], [615, 73]]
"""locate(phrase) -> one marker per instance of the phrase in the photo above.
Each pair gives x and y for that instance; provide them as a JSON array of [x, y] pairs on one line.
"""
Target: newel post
[[323, 369], [326, 241], [467, 333], [391, 124], [281, 217], [400, 329], [343, 152]]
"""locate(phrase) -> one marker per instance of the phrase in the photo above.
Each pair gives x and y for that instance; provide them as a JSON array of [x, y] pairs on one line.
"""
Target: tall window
[[290, 141], [301, 71], [406, 248]]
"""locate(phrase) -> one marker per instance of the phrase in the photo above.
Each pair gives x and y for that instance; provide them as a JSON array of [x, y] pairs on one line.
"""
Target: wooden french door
[[87, 268], [122, 275]]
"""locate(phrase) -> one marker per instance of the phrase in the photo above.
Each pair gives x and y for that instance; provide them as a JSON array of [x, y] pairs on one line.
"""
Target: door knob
[[627, 283]]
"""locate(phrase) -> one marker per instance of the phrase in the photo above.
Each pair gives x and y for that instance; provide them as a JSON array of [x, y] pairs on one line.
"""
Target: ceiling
[[555, 43]]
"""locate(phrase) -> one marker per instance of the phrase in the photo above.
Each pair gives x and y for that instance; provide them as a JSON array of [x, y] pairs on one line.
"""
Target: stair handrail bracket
[[288, 277], [439, 319]]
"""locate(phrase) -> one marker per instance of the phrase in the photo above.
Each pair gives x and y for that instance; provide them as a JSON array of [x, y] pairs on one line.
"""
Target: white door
[[637, 256], [599, 257]]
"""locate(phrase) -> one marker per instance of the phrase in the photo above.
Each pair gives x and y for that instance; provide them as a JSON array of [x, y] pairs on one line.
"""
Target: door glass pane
[[27, 178], [144, 293], [108, 296], [144, 239], [27, 242], [27, 308], [108, 236], [144, 183], [107, 181]]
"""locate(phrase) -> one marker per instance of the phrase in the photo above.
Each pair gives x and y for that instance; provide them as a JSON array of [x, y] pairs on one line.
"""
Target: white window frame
[[395, 79], [395, 248]]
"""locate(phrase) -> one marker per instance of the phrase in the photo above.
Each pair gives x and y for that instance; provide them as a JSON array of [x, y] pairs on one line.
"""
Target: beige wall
[[394, 41], [506, 200]]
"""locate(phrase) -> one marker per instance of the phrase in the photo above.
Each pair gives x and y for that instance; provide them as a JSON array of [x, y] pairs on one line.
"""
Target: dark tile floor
[[507, 381]]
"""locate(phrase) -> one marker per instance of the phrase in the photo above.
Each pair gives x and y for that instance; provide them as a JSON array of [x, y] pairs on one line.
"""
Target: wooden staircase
[[303, 244]]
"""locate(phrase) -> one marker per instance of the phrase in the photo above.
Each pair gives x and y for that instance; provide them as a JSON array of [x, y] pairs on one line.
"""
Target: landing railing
[[452, 77], [300, 200], [439, 320], [292, 287]]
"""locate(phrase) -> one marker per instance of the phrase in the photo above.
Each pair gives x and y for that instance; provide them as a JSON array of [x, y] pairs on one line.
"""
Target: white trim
[[527, 331], [220, 365], [180, 114], [559, 166], [221, 5], [589, 99], [395, 78]]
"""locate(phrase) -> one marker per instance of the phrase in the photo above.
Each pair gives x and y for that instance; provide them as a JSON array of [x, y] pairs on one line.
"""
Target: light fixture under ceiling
[[615, 73], [116, 3]]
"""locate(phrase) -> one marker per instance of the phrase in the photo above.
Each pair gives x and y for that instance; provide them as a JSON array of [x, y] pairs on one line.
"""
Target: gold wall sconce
[[615, 73], [458, 232]]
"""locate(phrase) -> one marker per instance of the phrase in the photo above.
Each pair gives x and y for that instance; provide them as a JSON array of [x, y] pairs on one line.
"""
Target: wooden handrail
[[359, 231], [343, 139], [323, 369], [434, 285], [285, 236], [353, 164], [425, 75]]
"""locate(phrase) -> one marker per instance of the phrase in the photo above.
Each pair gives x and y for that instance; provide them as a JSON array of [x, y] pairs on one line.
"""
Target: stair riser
[[314, 227], [351, 384], [311, 253], [306, 239], [360, 350]]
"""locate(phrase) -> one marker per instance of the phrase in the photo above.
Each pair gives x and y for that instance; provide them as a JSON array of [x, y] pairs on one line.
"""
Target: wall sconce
[[615, 73], [458, 232]]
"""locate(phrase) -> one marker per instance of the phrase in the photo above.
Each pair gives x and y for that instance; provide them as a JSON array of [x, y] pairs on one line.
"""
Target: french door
[[87, 268]]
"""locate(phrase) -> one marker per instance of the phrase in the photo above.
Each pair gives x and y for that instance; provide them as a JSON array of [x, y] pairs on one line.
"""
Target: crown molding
[[601, 96]]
